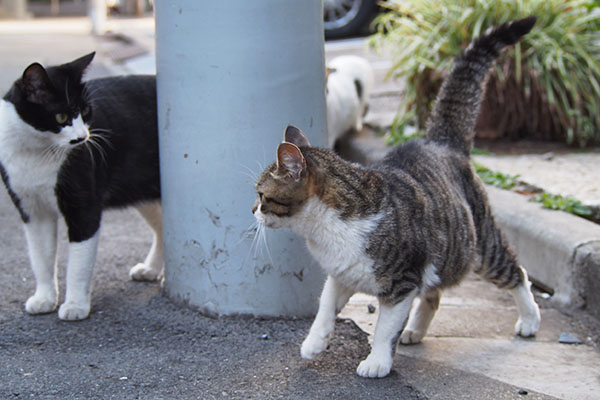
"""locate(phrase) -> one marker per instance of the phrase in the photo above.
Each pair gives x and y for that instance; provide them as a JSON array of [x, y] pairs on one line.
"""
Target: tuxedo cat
[[75, 148], [405, 228], [349, 82]]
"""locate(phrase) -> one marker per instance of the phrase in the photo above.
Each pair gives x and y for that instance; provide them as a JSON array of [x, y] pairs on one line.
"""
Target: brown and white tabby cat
[[405, 228]]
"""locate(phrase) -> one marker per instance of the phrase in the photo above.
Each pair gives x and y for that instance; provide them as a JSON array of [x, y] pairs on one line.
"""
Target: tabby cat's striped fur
[[406, 227]]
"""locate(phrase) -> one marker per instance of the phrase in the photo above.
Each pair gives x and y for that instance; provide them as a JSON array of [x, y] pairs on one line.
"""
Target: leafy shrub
[[546, 87], [568, 204], [498, 179]]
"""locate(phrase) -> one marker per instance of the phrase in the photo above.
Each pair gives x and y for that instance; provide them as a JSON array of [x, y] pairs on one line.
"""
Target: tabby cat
[[75, 149], [404, 228]]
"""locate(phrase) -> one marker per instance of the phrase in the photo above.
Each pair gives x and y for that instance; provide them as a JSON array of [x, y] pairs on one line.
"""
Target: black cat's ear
[[80, 65], [36, 84], [295, 136], [290, 161]]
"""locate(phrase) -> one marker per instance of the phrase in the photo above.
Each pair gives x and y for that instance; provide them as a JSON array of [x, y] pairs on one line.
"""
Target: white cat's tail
[[456, 109]]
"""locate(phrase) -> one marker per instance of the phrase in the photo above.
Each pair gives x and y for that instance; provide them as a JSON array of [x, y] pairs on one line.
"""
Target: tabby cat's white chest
[[339, 245]]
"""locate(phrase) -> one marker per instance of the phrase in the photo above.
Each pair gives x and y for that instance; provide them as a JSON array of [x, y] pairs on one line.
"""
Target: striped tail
[[457, 106]]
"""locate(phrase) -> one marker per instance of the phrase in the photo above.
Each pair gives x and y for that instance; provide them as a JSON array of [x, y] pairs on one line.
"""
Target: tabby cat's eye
[[85, 111], [61, 118]]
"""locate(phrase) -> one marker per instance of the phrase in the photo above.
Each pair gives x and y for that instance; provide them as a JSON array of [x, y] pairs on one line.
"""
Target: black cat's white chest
[[33, 183], [30, 172]]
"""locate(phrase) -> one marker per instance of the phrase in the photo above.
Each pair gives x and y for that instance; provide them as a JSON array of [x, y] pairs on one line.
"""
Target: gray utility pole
[[231, 76], [97, 11]]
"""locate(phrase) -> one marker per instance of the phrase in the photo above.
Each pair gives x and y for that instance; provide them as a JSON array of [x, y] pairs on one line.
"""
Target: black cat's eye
[[261, 196], [61, 118], [85, 111]]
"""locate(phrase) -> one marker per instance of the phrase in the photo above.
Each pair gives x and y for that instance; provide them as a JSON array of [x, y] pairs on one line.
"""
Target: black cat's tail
[[456, 109]]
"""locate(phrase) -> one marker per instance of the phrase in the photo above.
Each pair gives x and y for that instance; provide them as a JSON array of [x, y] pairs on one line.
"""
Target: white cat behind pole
[[349, 84]]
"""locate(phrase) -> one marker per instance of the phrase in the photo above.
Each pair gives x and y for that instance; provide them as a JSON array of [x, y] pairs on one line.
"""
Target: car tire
[[343, 18]]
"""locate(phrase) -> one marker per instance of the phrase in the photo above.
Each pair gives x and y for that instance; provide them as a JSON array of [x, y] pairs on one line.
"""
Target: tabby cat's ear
[[290, 161], [295, 136], [36, 84]]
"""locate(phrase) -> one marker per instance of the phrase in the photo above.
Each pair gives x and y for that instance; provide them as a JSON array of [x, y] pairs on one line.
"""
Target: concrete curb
[[558, 249]]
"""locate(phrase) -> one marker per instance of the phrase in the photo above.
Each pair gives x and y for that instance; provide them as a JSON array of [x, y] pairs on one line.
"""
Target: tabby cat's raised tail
[[457, 106]]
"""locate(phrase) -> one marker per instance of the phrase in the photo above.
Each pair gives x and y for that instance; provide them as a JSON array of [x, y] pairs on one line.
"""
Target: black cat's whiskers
[[88, 144], [98, 141], [96, 134], [53, 153]]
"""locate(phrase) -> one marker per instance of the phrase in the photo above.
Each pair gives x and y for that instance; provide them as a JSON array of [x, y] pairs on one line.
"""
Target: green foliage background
[[560, 57]]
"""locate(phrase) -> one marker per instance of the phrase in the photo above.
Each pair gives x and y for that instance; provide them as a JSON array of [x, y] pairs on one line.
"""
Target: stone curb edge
[[559, 250]]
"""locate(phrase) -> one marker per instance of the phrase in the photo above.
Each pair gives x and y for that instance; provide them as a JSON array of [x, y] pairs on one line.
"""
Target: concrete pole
[[97, 11], [231, 76]]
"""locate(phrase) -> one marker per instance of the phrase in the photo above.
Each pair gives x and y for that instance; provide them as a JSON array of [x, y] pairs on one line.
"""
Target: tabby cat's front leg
[[82, 257], [333, 299], [40, 233], [390, 322]]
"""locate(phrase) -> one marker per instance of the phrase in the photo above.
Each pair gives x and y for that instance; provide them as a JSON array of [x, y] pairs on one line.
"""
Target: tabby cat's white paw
[[528, 325], [73, 311], [41, 304], [312, 346], [375, 366], [141, 272], [411, 337]]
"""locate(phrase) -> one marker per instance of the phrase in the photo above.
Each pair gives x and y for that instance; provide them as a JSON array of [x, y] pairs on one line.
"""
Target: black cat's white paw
[[41, 304], [73, 311], [141, 272]]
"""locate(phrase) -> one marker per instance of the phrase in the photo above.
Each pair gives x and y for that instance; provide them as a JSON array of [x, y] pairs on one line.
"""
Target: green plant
[[480, 152], [547, 85], [558, 202], [498, 179]]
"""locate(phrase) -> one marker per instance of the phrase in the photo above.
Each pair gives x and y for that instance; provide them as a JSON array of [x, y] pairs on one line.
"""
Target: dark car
[[343, 18]]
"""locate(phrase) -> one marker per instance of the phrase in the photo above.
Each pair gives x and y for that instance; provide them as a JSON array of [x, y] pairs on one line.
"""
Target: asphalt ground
[[137, 344]]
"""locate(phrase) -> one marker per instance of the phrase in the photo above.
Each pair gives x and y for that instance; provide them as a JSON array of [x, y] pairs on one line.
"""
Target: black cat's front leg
[[390, 322], [84, 232], [40, 233], [82, 257]]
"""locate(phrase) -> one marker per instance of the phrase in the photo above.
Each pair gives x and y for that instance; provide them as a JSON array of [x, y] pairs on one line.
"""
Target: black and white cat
[[75, 148]]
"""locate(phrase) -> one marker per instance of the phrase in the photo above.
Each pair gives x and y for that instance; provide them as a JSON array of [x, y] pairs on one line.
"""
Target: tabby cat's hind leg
[[499, 265], [422, 313], [529, 312], [152, 268]]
